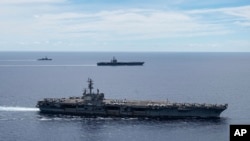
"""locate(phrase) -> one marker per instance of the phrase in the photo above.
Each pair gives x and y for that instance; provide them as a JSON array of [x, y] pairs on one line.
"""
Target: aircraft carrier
[[94, 104], [114, 62]]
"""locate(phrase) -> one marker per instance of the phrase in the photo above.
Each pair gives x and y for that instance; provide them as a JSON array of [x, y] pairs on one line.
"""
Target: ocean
[[215, 78]]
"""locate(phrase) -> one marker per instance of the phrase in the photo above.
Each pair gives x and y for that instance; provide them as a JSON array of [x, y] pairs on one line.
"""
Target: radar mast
[[90, 81]]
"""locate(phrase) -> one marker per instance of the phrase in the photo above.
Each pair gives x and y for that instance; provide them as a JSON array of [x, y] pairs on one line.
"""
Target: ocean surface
[[216, 78]]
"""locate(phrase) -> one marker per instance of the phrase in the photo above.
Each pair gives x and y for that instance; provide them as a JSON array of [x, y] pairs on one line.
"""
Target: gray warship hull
[[120, 64], [122, 108], [44, 59], [114, 62], [95, 105]]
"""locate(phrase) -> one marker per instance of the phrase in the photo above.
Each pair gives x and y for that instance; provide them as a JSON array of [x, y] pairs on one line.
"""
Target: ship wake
[[18, 109], [86, 65]]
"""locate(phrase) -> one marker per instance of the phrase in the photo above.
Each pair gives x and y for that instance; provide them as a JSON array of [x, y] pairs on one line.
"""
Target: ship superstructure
[[94, 104]]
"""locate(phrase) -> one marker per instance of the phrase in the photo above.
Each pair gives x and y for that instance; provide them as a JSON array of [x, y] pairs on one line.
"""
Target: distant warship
[[44, 59], [95, 105], [114, 62]]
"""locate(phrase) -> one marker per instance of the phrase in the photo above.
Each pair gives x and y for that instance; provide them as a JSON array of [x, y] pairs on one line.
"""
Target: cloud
[[239, 15], [243, 12], [128, 24], [48, 23], [30, 1]]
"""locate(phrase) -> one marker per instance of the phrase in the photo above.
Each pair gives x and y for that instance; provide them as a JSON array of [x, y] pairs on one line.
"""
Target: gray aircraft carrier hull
[[145, 109], [94, 104]]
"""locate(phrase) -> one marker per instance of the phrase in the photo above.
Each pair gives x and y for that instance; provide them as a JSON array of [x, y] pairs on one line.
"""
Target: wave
[[44, 117], [18, 109]]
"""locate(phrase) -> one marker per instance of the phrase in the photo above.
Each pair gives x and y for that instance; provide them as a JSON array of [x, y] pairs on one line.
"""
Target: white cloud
[[236, 14], [30, 1], [128, 24], [50, 24]]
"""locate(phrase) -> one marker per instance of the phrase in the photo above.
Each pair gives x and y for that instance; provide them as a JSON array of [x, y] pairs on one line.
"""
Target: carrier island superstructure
[[94, 104]]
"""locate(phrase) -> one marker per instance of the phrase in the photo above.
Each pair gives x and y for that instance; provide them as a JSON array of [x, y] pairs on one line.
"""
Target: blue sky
[[125, 25]]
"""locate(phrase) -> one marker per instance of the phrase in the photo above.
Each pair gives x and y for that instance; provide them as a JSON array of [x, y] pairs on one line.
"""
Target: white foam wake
[[19, 60], [18, 109], [48, 65]]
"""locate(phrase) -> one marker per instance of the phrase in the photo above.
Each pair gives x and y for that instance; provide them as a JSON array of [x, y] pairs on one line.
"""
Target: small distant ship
[[114, 62], [44, 59], [92, 104]]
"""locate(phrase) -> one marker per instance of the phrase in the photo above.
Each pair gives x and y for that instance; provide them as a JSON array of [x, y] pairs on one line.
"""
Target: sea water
[[215, 78]]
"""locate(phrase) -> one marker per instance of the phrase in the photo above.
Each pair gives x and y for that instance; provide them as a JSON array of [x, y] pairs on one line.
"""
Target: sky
[[125, 25]]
